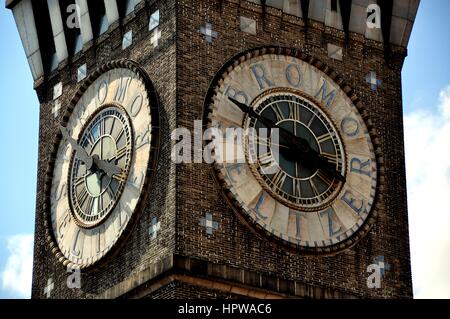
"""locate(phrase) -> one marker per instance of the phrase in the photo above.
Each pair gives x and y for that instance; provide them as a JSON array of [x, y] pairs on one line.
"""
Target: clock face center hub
[[105, 148], [287, 162]]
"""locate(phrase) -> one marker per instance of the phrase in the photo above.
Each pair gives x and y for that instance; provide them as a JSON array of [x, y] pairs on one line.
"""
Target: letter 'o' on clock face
[[305, 172], [101, 166]]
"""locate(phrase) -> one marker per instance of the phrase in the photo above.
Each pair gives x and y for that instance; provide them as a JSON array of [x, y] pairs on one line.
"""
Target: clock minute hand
[[90, 162], [299, 142], [312, 157], [109, 168], [82, 154], [251, 112]]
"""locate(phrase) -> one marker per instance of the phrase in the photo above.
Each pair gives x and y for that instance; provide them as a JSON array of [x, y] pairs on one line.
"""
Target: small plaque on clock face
[[317, 190], [101, 166]]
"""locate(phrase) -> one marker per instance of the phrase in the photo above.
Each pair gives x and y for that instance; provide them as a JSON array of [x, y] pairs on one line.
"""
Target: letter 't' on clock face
[[101, 166], [316, 189]]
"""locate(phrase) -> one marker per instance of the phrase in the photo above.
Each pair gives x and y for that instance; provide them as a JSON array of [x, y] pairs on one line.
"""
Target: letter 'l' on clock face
[[101, 166], [317, 192]]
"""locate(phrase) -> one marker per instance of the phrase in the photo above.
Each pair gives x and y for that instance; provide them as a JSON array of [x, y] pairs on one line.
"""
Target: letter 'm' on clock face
[[319, 191], [101, 166]]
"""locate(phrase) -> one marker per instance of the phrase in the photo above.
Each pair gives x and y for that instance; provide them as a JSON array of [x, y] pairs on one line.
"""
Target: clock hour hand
[[93, 163], [329, 168], [299, 144], [81, 152]]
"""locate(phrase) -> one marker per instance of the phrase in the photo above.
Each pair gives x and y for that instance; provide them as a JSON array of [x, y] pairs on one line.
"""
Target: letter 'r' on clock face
[[316, 190], [101, 166]]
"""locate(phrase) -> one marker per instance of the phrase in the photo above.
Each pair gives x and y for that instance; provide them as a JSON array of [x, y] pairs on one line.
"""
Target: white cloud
[[427, 133], [16, 276]]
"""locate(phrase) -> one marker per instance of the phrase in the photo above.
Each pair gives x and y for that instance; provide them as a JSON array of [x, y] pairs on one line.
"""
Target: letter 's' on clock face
[[319, 191], [101, 167]]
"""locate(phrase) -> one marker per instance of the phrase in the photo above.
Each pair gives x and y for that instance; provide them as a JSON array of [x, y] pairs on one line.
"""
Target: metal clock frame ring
[[101, 108], [254, 168]]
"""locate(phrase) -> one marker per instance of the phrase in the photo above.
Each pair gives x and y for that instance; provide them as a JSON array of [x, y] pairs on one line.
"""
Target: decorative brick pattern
[[154, 228], [208, 32], [334, 52], [81, 73], [56, 107], [209, 223], [371, 78], [127, 39]]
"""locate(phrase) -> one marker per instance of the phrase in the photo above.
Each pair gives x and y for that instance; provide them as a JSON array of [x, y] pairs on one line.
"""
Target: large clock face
[[314, 188], [101, 166]]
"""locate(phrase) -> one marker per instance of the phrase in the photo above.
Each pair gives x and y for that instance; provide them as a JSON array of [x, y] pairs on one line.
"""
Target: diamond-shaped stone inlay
[[208, 32], [48, 289], [248, 25], [81, 73], [57, 90], [334, 52], [154, 228], [154, 21], [371, 78], [127, 39], [209, 223]]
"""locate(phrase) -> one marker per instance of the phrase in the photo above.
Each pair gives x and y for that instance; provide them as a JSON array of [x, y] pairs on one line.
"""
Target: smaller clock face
[[101, 167], [92, 193], [285, 176]]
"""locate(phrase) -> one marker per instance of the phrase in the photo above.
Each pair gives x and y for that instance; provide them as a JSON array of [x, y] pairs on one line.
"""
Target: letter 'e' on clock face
[[101, 166], [313, 184]]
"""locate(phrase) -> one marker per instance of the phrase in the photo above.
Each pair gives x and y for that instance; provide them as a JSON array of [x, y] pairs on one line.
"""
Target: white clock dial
[[92, 203]]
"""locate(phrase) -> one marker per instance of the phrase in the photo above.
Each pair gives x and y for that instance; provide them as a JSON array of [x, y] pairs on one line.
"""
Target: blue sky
[[18, 141], [426, 69], [426, 89]]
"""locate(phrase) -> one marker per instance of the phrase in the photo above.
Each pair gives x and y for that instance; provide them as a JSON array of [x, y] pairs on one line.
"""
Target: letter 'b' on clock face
[[93, 201], [281, 191]]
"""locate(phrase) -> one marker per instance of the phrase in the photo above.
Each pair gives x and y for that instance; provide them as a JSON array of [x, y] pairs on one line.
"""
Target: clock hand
[[107, 167], [299, 142], [82, 154], [91, 162], [307, 154]]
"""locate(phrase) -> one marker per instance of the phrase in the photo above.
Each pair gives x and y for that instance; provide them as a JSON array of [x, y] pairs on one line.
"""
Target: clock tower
[[140, 194]]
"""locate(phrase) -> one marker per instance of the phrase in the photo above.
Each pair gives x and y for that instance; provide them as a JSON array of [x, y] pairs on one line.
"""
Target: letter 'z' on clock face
[[314, 187], [101, 166]]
